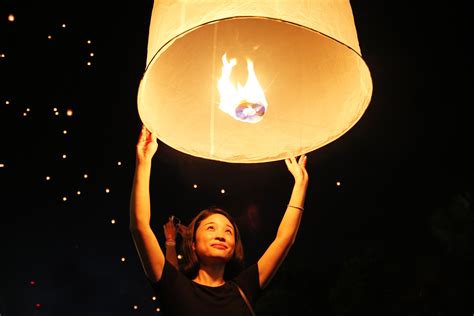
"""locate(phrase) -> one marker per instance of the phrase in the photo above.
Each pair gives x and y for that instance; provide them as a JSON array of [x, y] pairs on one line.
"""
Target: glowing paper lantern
[[291, 71]]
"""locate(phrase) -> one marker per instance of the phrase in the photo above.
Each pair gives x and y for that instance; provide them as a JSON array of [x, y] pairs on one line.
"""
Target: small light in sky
[[135, 307], [112, 221], [27, 109], [338, 183], [56, 113], [55, 109], [7, 102], [37, 305], [25, 114], [64, 156], [50, 37], [2, 55], [69, 112], [107, 190], [89, 41], [91, 54], [119, 163], [158, 309], [64, 132], [64, 198], [48, 178], [89, 63], [180, 257], [32, 282], [153, 298], [195, 186], [11, 17], [222, 191], [78, 192], [122, 259], [2, 165], [63, 25], [85, 176]]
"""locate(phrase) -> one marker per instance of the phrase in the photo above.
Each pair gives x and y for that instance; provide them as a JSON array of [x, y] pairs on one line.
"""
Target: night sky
[[388, 225]]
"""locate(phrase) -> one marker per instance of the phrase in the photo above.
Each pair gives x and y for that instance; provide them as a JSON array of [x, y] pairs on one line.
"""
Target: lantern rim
[[257, 17]]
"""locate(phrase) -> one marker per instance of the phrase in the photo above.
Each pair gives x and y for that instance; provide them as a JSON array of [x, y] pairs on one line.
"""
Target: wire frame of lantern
[[252, 81]]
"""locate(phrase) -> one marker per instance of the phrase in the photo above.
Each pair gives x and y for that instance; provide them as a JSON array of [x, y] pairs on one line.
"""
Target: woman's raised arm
[[271, 260], [146, 243]]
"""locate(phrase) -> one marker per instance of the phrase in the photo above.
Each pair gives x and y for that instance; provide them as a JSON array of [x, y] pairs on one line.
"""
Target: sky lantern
[[252, 81]]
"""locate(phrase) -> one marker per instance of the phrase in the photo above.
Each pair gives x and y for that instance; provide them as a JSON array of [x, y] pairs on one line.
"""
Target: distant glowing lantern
[[252, 81]]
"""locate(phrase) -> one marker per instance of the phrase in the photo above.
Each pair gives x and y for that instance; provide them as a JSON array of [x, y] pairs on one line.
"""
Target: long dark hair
[[190, 265]]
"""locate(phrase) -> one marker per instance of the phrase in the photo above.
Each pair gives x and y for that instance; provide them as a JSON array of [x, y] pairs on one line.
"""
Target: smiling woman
[[213, 277], [213, 236]]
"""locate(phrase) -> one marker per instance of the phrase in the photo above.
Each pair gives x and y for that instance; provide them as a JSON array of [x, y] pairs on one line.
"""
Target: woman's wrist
[[301, 208], [170, 242], [301, 182], [143, 162]]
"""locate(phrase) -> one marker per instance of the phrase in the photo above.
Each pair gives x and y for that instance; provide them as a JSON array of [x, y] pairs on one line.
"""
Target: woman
[[212, 281]]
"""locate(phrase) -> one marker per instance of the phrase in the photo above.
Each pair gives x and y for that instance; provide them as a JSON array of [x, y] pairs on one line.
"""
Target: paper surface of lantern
[[305, 56]]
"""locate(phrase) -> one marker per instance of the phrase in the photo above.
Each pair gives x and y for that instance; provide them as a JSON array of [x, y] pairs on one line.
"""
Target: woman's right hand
[[170, 230], [146, 145]]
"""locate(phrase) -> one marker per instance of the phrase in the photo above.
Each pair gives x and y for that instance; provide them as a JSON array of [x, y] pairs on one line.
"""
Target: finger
[[305, 160], [147, 134], [302, 160], [142, 133], [288, 163]]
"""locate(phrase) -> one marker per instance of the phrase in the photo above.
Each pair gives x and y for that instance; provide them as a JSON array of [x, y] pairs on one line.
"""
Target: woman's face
[[215, 238]]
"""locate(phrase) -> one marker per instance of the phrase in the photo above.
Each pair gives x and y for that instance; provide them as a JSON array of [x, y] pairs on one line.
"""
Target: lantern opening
[[245, 103]]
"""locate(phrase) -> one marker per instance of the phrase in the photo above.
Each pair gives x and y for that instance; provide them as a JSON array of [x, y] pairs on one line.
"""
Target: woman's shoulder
[[170, 274], [248, 276]]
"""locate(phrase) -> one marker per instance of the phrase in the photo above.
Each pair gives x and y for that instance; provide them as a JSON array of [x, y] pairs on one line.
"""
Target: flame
[[245, 103]]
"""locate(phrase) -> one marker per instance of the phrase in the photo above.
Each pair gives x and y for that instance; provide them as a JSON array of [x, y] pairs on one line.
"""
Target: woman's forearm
[[140, 212], [171, 255], [291, 219], [298, 194]]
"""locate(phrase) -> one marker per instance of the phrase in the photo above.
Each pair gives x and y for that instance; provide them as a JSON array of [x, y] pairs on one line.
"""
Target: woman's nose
[[220, 238]]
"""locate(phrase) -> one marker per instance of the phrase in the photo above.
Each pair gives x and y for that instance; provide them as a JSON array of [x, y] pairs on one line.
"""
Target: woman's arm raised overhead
[[146, 243], [271, 260]]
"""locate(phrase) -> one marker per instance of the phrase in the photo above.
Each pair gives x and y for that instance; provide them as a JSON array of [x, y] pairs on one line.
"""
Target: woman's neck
[[210, 275]]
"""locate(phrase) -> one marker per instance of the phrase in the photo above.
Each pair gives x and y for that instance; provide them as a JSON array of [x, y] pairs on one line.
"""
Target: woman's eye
[[210, 227]]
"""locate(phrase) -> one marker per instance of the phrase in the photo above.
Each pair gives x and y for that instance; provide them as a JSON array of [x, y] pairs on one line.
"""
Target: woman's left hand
[[298, 168]]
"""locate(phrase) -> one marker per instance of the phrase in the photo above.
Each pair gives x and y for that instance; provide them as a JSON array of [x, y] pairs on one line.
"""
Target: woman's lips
[[219, 246]]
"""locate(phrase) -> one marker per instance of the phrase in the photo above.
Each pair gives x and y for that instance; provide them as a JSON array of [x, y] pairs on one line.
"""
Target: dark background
[[395, 238]]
